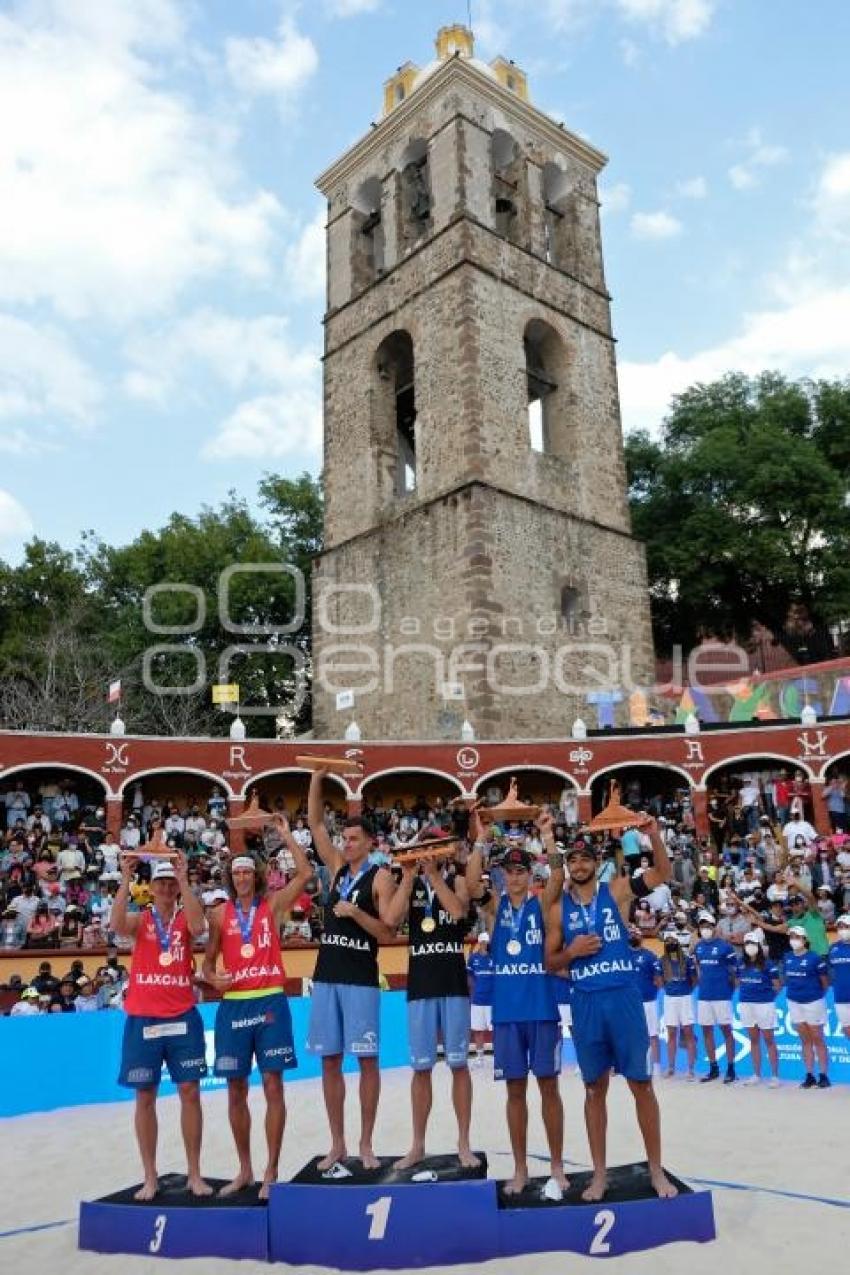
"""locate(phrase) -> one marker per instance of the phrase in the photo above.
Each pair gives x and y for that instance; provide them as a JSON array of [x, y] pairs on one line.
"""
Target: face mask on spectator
[[844, 934], [706, 931], [751, 949], [798, 945]]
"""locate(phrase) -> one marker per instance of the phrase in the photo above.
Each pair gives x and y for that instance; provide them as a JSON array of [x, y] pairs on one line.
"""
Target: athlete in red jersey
[[253, 1018], [162, 1022]]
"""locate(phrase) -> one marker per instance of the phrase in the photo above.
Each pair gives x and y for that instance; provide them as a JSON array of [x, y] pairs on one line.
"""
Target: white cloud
[[41, 376], [115, 193], [279, 68], [692, 188], [758, 156], [832, 197], [629, 52], [350, 8], [15, 523], [675, 20], [306, 258], [655, 225], [277, 384], [616, 198]]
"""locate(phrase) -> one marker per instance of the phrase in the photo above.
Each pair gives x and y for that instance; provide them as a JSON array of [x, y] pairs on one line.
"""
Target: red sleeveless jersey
[[156, 990], [263, 969]]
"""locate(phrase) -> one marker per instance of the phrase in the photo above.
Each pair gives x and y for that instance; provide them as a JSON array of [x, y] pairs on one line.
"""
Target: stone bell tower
[[478, 562]]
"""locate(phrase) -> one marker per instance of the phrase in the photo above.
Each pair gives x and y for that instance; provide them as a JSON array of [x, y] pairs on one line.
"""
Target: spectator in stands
[[43, 929], [70, 862], [18, 804], [835, 795], [13, 930], [733, 925], [71, 931], [798, 831], [26, 903], [27, 1005], [87, 996], [65, 1000], [45, 980]]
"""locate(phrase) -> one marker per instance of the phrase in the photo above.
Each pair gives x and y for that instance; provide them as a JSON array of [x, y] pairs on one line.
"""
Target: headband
[[243, 861]]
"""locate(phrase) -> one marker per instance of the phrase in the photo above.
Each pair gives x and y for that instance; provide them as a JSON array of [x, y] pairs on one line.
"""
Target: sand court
[[782, 1153]]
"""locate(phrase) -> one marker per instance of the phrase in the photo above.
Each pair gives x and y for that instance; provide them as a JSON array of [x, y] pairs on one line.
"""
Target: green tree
[[743, 505]]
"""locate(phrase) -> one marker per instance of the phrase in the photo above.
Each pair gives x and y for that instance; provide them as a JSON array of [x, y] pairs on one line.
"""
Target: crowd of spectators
[[762, 858]]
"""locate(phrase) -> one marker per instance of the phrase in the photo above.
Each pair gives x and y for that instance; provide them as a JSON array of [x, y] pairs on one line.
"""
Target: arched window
[[508, 188], [414, 192], [559, 218], [395, 403], [367, 234], [547, 375]]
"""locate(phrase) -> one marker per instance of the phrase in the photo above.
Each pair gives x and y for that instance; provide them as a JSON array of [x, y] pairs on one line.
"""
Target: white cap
[[164, 871], [754, 936], [483, 938], [213, 896], [799, 929], [707, 918], [243, 861], [844, 920]]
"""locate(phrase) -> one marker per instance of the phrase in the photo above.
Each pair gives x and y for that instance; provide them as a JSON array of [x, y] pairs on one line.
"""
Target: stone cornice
[[398, 122]]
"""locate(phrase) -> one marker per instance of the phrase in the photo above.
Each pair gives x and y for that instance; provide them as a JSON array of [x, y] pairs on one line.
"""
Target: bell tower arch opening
[[508, 186], [415, 197], [367, 234], [559, 218], [547, 377], [395, 399]]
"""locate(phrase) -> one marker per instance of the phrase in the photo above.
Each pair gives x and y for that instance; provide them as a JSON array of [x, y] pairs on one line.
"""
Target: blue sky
[[161, 244]]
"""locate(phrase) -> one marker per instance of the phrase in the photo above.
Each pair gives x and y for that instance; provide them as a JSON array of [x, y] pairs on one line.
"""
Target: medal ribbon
[[246, 921], [163, 935], [516, 921], [589, 914], [348, 882]]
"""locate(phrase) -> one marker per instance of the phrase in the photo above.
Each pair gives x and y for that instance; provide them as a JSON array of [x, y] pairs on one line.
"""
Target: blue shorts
[[609, 1030], [150, 1042], [258, 1026], [520, 1048], [344, 1019], [436, 1017]]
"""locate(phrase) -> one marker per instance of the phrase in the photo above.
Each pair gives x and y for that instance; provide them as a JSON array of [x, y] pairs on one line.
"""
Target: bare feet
[[268, 1180], [664, 1188], [244, 1178], [198, 1186], [414, 1156], [147, 1190], [518, 1183], [557, 1172], [368, 1158], [468, 1158], [337, 1152], [596, 1188]]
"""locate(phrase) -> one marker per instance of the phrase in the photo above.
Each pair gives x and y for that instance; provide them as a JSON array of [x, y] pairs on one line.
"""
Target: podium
[[434, 1214], [176, 1223]]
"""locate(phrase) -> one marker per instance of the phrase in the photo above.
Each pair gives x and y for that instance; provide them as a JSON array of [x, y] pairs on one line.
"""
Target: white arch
[[631, 765], [826, 765], [509, 770], [793, 762], [291, 770], [177, 770], [60, 765], [411, 770]]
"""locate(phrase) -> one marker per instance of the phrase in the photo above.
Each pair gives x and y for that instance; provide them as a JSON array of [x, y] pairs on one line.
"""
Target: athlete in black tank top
[[347, 952]]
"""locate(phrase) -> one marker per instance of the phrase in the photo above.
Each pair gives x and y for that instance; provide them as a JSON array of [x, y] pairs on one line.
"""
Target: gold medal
[[247, 950], [429, 924], [165, 958]]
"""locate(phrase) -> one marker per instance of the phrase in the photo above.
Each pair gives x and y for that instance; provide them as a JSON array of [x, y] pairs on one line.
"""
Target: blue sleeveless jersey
[[613, 964], [522, 990]]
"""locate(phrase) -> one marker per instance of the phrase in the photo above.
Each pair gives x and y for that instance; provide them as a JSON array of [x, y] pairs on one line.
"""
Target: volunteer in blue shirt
[[526, 1025], [587, 934], [716, 962], [806, 981], [679, 975], [479, 969], [838, 961], [758, 983], [648, 970]]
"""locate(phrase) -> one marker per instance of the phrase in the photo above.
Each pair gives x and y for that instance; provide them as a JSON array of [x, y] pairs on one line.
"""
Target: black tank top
[[347, 954], [437, 966]]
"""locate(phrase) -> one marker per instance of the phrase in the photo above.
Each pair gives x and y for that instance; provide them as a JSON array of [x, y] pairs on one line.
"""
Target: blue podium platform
[[176, 1223], [436, 1214]]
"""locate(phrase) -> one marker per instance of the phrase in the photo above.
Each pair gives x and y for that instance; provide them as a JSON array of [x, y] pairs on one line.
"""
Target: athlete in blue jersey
[[526, 1025], [479, 968], [587, 934], [717, 962], [758, 983], [679, 974], [838, 961], [648, 971], [806, 981]]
